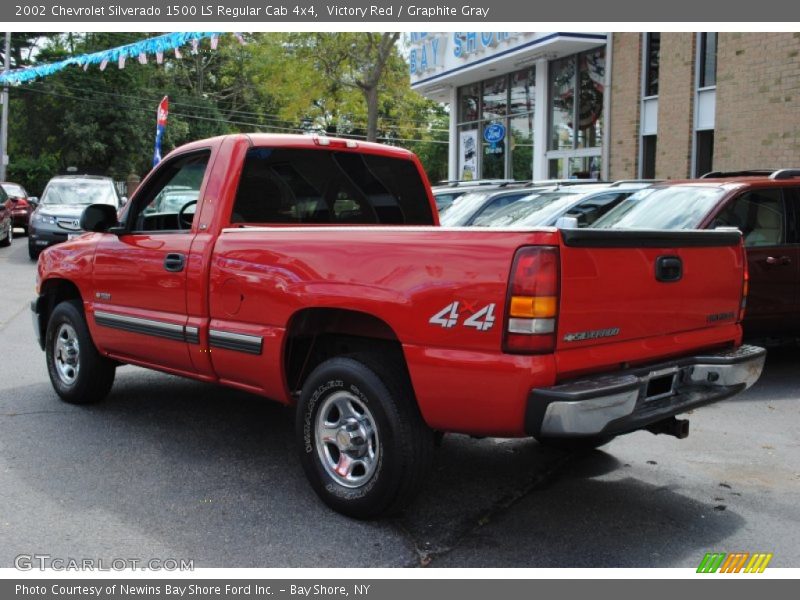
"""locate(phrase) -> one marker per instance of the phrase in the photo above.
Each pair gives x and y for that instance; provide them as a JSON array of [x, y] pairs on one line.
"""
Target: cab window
[[169, 202]]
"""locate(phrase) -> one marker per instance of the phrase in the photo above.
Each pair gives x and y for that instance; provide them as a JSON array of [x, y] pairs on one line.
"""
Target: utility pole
[[4, 124]]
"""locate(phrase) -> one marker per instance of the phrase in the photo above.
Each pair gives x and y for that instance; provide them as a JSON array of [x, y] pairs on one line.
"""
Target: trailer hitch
[[671, 426]]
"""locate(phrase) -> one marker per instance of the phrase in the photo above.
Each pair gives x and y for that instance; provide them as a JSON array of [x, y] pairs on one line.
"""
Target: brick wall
[[626, 70], [675, 102], [758, 101]]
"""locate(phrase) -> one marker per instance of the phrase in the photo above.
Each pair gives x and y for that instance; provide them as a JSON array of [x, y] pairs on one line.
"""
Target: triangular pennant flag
[[159, 57], [142, 58], [103, 64], [178, 54], [121, 62], [195, 44], [214, 42]]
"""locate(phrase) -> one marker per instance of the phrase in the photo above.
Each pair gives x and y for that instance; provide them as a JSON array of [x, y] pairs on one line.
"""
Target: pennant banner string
[[138, 50]]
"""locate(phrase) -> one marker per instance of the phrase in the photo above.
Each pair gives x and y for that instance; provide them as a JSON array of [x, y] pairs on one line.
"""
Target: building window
[[649, 156], [708, 60], [704, 152], [562, 103], [507, 100], [653, 58]]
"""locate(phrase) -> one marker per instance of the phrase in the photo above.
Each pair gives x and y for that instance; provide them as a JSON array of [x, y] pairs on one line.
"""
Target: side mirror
[[123, 201], [33, 200], [567, 223], [98, 217]]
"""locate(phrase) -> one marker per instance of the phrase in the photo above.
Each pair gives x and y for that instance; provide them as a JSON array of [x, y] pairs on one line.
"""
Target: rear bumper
[[630, 400]]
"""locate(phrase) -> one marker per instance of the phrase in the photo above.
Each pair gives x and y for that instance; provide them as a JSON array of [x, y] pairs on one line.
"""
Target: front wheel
[[33, 252], [362, 441], [78, 372]]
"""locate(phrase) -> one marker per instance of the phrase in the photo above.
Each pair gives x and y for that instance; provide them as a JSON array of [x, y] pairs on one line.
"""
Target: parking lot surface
[[171, 468]]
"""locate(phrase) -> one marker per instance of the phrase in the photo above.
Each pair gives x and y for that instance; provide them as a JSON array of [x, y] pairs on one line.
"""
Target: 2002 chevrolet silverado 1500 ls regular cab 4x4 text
[[312, 271]]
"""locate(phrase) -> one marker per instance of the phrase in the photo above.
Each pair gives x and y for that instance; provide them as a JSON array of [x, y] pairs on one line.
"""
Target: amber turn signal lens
[[533, 307]]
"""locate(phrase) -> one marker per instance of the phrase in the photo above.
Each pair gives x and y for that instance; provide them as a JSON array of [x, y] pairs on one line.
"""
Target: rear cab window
[[319, 186]]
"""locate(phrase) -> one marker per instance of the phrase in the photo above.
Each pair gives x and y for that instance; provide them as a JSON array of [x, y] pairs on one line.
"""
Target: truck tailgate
[[621, 285]]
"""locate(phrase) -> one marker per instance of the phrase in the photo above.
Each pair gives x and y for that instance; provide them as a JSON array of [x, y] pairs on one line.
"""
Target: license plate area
[[660, 384], [72, 236]]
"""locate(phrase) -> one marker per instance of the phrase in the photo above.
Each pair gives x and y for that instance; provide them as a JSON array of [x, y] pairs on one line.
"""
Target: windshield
[[533, 210], [80, 191], [14, 190], [673, 207], [462, 209]]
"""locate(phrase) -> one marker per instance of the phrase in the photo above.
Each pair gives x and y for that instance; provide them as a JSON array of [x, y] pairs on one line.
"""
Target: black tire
[[92, 375], [6, 241], [403, 441], [578, 444], [25, 230], [33, 253]]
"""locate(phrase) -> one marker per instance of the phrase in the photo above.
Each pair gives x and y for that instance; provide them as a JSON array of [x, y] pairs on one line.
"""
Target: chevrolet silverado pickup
[[312, 271]]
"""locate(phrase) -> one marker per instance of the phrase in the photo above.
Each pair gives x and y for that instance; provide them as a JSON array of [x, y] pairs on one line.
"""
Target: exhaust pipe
[[671, 426]]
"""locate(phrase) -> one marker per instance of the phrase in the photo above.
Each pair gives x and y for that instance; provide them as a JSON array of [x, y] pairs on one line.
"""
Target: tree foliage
[[103, 122]]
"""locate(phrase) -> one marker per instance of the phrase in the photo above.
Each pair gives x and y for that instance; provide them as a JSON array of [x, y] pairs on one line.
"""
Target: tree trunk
[[371, 96]]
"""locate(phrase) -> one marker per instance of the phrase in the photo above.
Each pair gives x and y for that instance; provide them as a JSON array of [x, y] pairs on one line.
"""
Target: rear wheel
[[78, 372], [362, 441]]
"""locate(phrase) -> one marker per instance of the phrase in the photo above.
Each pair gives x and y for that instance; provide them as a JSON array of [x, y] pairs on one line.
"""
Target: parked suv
[[764, 205], [57, 217]]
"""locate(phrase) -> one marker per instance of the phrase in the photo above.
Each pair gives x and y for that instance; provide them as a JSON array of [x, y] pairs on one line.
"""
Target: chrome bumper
[[633, 399]]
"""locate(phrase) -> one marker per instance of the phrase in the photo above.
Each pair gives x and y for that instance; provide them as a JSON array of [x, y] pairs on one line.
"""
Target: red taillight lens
[[532, 306]]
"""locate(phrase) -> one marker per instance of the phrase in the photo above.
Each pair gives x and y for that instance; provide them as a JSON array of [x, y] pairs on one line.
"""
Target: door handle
[[779, 260], [174, 262]]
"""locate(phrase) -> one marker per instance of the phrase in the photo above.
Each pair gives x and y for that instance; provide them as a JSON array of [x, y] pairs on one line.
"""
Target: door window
[[169, 202], [760, 215]]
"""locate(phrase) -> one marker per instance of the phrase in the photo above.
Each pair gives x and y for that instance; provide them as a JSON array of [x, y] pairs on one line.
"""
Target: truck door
[[140, 283]]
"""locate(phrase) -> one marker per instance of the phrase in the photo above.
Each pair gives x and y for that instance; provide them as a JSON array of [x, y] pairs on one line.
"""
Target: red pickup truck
[[312, 271]]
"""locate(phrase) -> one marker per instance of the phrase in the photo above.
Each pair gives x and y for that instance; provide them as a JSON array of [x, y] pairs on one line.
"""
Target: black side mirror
[[33, 200], [98, 217]]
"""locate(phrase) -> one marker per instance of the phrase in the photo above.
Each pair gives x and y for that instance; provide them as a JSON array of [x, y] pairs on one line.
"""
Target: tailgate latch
[[669, 269]]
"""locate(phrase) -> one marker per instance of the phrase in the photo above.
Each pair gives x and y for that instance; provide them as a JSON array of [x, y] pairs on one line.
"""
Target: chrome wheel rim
[[347, 439], [66, 354]]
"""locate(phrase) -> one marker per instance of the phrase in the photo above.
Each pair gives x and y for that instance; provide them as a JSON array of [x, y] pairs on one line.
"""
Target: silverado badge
[[579, 336]]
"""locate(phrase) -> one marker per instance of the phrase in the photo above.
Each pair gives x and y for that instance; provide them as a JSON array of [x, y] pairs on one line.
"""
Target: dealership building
[[624, 105]]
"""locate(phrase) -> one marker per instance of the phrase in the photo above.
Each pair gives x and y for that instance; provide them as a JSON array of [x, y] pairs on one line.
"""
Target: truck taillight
[[745, 290], [532, 307]]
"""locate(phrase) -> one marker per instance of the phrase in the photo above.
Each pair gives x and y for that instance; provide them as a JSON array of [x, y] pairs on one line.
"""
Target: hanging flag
[[161, 124]]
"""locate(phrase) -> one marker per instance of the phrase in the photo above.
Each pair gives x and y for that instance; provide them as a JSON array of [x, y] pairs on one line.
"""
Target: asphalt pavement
[[171, 468]]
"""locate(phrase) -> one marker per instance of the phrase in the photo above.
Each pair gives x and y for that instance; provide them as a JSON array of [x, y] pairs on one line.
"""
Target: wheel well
[[53, 292], [317, 334]]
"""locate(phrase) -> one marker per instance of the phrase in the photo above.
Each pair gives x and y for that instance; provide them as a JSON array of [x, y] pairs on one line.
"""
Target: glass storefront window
[[592, 77], [495, 98], [562, 103], [522, 91], [469, 103], [521, 141]]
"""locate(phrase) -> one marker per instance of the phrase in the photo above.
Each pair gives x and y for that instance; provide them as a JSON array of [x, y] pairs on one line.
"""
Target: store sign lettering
[[426, 55], [429, 51], [473, 42]]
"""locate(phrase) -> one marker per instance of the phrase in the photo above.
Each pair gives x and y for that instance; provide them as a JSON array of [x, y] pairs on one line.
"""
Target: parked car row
[[763, 205], [15, 209]]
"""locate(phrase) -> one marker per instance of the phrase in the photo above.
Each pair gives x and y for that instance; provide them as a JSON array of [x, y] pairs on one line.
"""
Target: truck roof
[[288, 140]]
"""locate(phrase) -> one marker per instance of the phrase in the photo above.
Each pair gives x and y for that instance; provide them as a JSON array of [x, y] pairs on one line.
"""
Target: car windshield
[[537, 209], [672, 207], [463, 208], [14, 190], [80, 191]]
